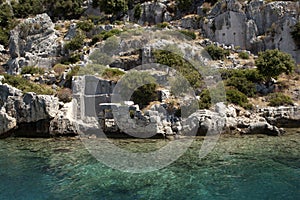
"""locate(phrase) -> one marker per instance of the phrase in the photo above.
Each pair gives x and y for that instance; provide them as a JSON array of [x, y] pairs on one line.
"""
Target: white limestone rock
[[257, 26], [7, 122], [34, 42]]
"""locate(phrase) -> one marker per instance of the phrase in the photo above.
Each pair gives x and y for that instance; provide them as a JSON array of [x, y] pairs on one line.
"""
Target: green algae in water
[[244, 167]]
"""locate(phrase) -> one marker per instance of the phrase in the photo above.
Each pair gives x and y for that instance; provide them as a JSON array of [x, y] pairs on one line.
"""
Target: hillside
[[242, 53]]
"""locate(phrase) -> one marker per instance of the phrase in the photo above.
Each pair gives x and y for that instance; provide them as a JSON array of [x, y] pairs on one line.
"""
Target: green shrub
[[59, 69], [99, 57], [279, 99], [205, 100], [243, 85], [112, 74], [104, 35], [272, 63], [296, 33], [24, 8], [27, 86], [62, 9], [71, 59], [66, 9], [163, 25], [190, 34], [76, 42], [111, 46], [250, 74], [113, 6], [32, 70], [7, 22], [137, 11], [73, 72], [243, 55], [92, 69], [236, 97], [182, 66], [142, 95], [184, 5], [145, 94], [216, 53], [65, 95], [86, 25], [212, 96]]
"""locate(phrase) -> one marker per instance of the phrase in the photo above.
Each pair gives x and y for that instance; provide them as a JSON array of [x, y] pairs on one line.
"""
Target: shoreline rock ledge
[[31, 115]]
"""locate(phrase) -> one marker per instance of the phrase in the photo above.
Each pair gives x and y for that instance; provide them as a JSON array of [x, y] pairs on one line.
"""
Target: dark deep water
[[240, 167]]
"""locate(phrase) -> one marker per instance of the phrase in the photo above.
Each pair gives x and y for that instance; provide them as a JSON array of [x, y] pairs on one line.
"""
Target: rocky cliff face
[[152, 13], [34, 42], [255, 26], [30, 114]]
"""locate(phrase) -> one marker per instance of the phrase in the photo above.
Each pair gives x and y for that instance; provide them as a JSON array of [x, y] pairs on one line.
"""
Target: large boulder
[[263, 128], [32, 108], [63, 124], [204, 122], [7, 122], [34, 42]]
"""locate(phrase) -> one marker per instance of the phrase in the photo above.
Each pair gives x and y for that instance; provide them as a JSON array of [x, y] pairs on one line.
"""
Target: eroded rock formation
[[255, 26], [31, 115], [34, 42]]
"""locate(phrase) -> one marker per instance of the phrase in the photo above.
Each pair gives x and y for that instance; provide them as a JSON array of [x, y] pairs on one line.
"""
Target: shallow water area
[[239, 167]]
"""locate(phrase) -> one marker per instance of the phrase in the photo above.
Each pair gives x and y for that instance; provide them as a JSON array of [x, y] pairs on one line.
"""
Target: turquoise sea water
[[240, 167]]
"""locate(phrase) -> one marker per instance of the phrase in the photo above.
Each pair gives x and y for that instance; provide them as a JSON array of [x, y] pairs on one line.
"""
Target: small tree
[[141, 85], [272, 63], [76, 42], [113, 6]]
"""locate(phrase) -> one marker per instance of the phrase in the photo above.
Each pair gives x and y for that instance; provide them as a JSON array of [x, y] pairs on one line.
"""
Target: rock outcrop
[[151, 13], [287, 117], [7, 122], [255, 26], [32, 115], [62, 124], [34, 42]]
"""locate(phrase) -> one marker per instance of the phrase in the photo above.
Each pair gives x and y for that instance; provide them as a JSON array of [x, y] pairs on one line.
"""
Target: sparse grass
[[243, 55], [104, 35], [190, 34], [279, 99], [32, 70], [59, 69], [27, 86], [112, 74], [163, 25]]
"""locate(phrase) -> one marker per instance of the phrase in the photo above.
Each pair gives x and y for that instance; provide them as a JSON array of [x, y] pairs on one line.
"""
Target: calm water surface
[[240, 167]]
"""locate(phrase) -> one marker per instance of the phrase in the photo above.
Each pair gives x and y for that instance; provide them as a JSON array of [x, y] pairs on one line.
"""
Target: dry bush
[[65, 95]]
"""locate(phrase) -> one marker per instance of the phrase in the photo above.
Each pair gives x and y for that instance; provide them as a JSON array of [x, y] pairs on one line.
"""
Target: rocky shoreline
[[31, 115], [63, 48]]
